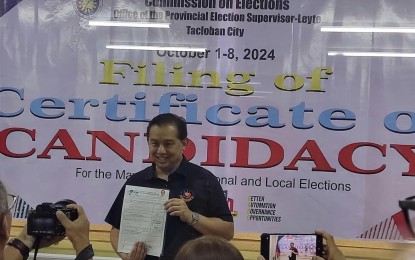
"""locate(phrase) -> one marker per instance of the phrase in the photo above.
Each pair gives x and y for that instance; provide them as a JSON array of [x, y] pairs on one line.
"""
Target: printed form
[[143, 219]]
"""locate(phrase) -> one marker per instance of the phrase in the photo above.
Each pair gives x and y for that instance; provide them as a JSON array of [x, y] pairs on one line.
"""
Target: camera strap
[[36, 246]]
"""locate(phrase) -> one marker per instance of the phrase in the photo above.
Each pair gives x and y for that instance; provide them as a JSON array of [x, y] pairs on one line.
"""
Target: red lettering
[[346, 157], [408, 154], [310, 151], [213, 150], [242, 152], [3, 142], [190, 150], [111, 143], [67, 144], [148, 160], [315, 155]]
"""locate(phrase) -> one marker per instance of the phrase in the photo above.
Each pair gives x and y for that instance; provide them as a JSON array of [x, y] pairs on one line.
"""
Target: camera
[[42, 221]]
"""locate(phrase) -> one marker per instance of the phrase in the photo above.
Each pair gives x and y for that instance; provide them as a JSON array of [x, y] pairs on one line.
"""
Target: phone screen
[[290, 246]]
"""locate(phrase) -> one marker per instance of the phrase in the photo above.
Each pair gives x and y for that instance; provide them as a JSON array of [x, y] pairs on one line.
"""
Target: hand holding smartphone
[[275, 246]]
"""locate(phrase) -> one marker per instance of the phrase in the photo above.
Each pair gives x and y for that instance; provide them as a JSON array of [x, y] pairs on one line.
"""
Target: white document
[[143, 219]]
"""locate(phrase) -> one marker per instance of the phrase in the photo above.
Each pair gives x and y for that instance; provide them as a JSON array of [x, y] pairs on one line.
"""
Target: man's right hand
[[138, 252]]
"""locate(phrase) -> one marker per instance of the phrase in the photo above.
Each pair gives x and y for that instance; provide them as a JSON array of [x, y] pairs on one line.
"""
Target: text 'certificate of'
[[143, 219]]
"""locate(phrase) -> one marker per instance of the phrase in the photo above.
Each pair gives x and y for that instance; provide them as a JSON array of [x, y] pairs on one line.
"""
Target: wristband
[[86, 253], [19, 245]]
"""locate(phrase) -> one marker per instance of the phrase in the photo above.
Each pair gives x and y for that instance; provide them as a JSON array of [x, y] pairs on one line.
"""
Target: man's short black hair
[[170, 119]]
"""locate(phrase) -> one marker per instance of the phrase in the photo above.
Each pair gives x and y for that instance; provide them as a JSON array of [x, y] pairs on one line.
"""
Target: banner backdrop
[[298, 139]]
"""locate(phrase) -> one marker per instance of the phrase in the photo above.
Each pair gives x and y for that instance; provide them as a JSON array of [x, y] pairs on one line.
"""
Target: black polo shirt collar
[[151, 173]]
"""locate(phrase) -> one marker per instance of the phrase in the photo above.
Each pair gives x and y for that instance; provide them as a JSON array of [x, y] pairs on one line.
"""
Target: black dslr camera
[[42, 221]]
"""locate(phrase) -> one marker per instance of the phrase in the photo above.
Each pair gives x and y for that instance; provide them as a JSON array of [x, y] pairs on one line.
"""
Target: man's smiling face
[[165, 148]]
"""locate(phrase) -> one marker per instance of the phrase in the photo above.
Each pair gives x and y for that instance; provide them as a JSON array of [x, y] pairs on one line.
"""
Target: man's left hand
[[178, 207]]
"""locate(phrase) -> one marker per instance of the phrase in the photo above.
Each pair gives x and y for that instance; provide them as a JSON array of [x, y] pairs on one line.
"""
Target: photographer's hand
[[25, 238], [13, 253], [77, 231], [331, 252]]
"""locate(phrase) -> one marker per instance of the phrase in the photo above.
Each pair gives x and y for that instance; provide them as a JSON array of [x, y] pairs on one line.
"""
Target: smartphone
[[290, 246]]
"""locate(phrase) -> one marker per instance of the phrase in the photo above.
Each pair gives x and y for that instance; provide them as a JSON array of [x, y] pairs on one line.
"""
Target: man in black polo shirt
[[293, 252], [197, 205]]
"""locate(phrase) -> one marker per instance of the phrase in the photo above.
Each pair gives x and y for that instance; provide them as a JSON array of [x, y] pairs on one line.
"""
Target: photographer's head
[[5, 217], [208, 247], [3, 198]]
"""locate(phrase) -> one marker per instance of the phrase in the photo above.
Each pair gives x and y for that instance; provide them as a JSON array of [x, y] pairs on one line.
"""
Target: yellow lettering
[[238, 87], [298, 82], [109, 71], [316, 78]]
